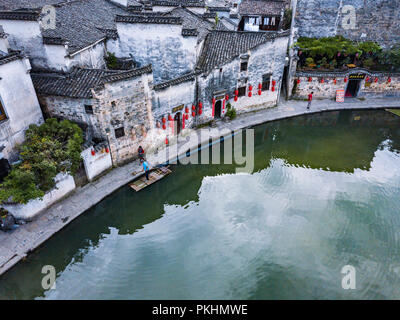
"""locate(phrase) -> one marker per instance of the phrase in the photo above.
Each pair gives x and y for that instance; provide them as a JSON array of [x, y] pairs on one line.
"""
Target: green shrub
[[111, 60], [309, 61], [48, 149], [231, 113]]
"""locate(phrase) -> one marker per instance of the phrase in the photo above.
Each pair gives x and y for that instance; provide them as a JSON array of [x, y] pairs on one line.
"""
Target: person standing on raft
[[146, 168]]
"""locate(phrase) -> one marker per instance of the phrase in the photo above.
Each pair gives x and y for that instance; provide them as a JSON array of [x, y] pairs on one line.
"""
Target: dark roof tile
[[261, 7], [80, 81], [221, 47]]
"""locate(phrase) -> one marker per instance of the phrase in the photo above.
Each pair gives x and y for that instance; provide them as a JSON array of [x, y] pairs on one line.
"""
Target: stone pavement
[[16, 244]]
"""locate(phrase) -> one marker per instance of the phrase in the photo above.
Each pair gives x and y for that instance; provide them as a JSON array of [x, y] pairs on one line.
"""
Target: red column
[[213, 107]]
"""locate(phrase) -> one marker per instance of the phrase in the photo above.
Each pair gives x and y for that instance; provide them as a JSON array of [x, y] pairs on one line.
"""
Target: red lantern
[[164, 126], [169, 117], [259, 92], [389, 79], [166, 141], [250, 94], [193, 107], [107, 150], [226, 97], [236, 98], [250, 87], [164, 120], [334, 81], [273, 89], [298, 81], [309, 79], [259, 86], [186, 110], [345, 79], [273, 83], [200, 112], [193, 114], [200, 105], [322, 80], [187, 117], [236, 92], [376, 79], [93, 152], [366, 79]]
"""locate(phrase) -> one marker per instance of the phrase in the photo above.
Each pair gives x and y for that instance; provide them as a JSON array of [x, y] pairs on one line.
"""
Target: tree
[[48, 149]]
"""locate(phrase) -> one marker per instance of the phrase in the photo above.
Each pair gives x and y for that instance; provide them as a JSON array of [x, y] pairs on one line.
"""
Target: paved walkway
[[15, 245]]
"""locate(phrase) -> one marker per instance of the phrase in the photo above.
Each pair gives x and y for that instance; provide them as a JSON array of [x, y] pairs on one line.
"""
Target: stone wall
[[326, 89], [161, 45], [173, 101], [65, 184], [268, 58], [375, 20], [97, 163], [74, 110], [125, 104]]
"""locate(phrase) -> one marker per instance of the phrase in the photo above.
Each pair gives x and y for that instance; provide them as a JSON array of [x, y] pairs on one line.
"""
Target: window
[[243, 66], [119, 132], [241, 91], [266, 82], [88, 109], [113, 104], [2, 112]]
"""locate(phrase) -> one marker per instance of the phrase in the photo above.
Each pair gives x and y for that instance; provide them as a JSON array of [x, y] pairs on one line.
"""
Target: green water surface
[[324, 194]]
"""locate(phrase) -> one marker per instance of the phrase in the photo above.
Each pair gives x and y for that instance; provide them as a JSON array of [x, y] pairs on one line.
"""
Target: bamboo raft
[[395, 111], [154, 176]]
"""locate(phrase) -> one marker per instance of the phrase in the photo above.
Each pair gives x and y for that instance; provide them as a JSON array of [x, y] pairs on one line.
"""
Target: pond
[[325, 193]]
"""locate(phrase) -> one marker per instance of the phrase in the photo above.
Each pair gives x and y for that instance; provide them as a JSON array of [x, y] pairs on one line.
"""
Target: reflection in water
[[324, 193]]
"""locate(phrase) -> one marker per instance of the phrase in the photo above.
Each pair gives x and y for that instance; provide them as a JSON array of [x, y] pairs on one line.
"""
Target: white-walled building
[[19, 106]]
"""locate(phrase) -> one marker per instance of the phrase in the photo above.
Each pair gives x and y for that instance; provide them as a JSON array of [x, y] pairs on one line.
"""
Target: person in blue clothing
[[146, 169]]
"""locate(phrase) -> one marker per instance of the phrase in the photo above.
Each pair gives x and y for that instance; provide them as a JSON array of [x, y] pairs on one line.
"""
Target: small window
[[266, 82], [88, 109], [113, 104], [2, 113], [119, 132], [241, 91], [243, 66]]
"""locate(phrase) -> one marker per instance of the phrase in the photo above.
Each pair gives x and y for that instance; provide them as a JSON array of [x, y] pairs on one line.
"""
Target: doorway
[[352, 88], [178, 123], [218, 109]]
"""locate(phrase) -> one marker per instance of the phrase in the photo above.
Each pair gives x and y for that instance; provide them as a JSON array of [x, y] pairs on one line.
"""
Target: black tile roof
[[189, 32], [177, 3], [28, 15], [191, 20], [262, 7], [143, 18], [6, 57], [187, 77], [19, 4], [84, 22], [221, 47], [215, 9], [79, 82]]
